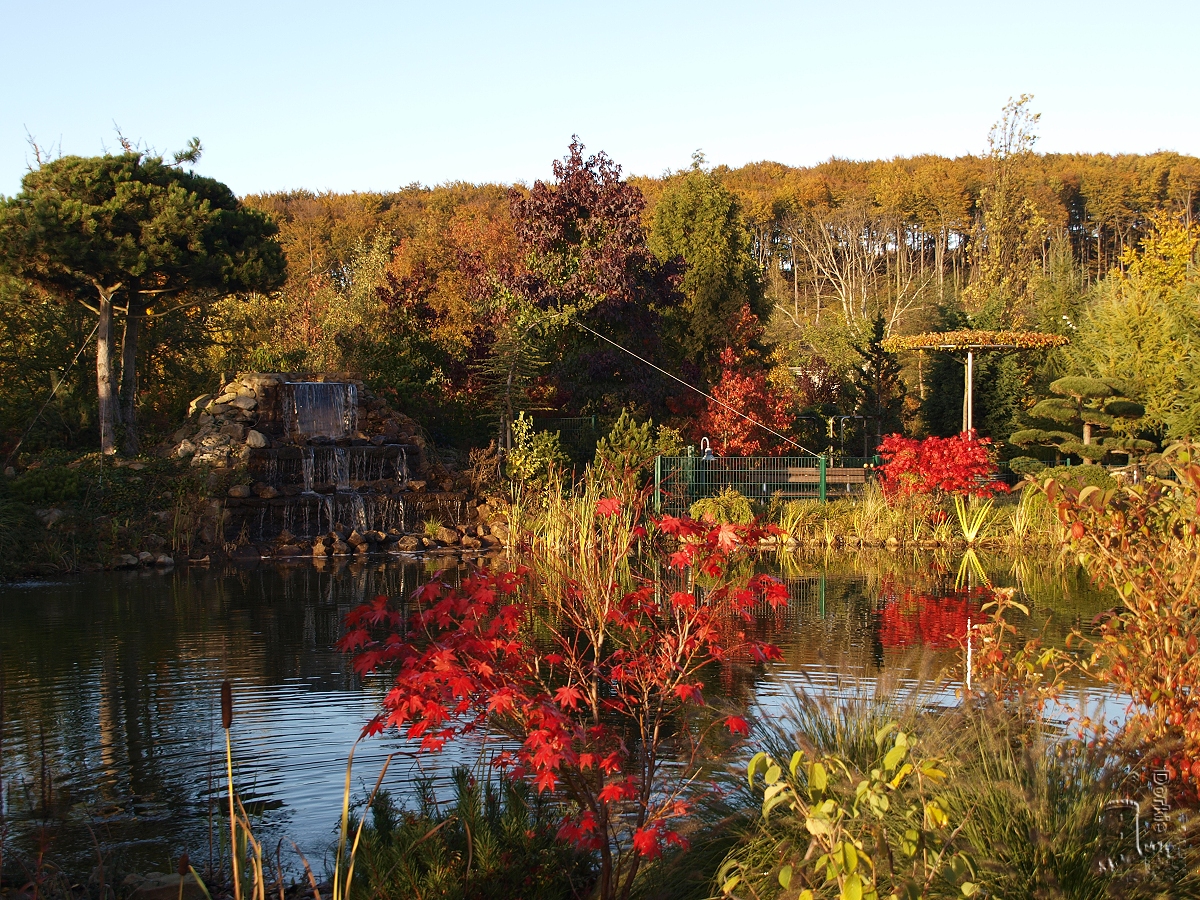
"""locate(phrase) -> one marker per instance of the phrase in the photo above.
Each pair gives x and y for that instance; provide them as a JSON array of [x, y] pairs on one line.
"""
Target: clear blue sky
[[360, 96]]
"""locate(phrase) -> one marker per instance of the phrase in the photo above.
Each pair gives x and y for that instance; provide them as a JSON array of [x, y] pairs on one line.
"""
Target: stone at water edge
[[256, 440], [447, 536], [265, 491], [145, 558], [164, 561], [410, 543], [240, 491]]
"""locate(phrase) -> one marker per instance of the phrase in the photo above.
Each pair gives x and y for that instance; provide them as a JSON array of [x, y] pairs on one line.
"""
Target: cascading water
[[343, 469], [325, 473], [326, 409], [308, 468]]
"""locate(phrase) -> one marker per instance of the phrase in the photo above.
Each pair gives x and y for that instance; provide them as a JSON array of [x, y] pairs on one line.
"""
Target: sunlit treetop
[[973, 339]]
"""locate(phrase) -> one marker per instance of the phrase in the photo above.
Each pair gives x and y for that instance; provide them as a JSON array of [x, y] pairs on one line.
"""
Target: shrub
[[1025, 465], [589, 670], [727, 508], [1143, 540], [955, 465], [1079, 476], [39, 487]]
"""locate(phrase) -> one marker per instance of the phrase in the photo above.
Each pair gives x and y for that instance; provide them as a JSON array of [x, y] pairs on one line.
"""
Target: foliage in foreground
[[1143, 540], [593, 671], [973, 801], [496, 840]]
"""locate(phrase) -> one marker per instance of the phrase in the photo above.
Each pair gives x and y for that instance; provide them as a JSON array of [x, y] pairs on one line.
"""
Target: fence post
[[658, 485], [822, 463]]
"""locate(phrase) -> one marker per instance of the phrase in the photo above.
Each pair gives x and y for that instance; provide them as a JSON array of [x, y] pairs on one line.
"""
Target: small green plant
[[535, 455], [841, 831], [973, 516], [727, 508], [430, 527]]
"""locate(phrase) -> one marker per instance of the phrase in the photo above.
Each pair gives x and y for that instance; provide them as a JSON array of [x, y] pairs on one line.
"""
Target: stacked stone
[[223, 428]]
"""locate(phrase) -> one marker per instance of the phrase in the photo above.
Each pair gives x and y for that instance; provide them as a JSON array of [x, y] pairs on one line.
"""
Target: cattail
[[184, 865], [226, 705]]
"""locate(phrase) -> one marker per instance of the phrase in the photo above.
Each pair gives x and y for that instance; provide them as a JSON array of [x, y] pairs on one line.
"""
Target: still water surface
[[111, 727]]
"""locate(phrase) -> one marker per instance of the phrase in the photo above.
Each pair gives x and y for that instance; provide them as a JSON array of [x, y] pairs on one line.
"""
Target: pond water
[[110, 720]]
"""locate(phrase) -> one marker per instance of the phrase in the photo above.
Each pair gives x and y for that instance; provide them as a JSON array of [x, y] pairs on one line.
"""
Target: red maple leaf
[[737, 725]]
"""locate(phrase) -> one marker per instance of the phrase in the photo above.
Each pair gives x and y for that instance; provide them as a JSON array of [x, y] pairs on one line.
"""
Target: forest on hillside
[[772, 287]]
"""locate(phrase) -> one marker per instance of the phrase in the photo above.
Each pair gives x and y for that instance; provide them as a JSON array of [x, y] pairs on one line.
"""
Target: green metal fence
[[679, 481]]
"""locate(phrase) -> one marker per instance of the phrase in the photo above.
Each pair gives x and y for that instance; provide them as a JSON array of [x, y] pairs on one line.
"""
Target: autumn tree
[[585, 260], [136, 235], [1011, 228], [698, 222]]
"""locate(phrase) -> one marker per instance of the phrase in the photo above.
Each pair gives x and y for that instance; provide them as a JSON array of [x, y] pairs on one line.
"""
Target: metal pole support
[[822, 464]]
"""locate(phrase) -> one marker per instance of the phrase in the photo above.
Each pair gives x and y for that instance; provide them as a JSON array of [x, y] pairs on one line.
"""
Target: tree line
[[590, 292]]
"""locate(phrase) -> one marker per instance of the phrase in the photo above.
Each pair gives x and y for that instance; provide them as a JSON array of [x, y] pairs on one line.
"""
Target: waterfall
[[308, 466], [358, 513], [402, 467], [321, 408], [343, 469]]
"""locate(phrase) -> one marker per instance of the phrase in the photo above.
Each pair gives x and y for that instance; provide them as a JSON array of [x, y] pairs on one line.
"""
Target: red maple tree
[[588, 669], [961, 464], [743, 389]]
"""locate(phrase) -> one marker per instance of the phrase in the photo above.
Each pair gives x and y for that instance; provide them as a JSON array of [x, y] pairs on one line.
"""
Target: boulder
[[145, 558], [288, 550], [244, 402], [49, 516], [234, 432], [416, 485], [447, 536], [471, 543], [186, 448], [339, 548], [125, 561], [240, 491], [199, 403], [163, 561], [227, 396], [500, 532], [257, 440], [265, 491], [410, 543], [356, 539]]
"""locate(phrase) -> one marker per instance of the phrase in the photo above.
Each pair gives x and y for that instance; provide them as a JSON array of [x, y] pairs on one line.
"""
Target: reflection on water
[[110, 725]]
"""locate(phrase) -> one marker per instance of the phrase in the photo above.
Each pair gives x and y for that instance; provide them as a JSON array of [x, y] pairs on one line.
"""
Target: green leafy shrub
[[39, 487], [727, 508], [535, 455], [852, 831], [1025, 465], [495, 841], [1079, 476]]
